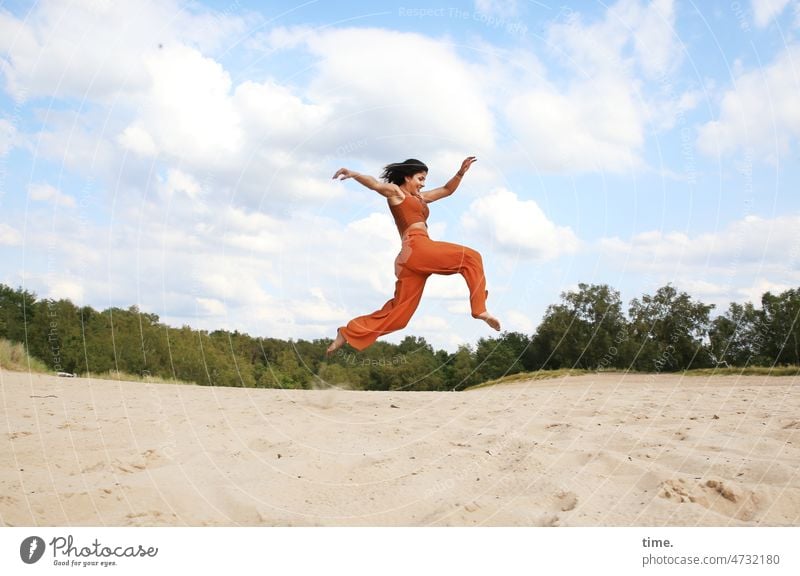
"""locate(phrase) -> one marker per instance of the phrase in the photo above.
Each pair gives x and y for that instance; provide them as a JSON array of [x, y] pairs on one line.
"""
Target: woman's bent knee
[[473, 256]]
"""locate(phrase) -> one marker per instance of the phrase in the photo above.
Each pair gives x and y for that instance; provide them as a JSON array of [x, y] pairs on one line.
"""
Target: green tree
[[16, 311], [584, 331], [55, 336], [410, 365], [462, 369], [335, 375], [290, 372], [129, 349], [497, 357], [669, 331], [780, 327], [735, 338], [98, 341], [186, 356]]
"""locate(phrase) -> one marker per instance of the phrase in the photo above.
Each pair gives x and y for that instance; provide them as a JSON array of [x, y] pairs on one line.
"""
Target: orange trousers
[[418, 259]]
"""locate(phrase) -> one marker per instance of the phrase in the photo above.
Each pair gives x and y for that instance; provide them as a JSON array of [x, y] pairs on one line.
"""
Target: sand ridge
[[594, 450]]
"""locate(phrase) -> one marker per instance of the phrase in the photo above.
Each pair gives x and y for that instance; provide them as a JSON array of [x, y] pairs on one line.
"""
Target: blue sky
[[177, 155]]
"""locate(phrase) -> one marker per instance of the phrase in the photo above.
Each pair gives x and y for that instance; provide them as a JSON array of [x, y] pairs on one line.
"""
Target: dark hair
[[396, 173]]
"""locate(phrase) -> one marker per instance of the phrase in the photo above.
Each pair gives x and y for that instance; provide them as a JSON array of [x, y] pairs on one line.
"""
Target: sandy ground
[[599, 450]]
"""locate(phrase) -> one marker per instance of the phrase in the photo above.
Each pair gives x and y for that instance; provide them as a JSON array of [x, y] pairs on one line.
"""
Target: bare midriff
[[416, 226]]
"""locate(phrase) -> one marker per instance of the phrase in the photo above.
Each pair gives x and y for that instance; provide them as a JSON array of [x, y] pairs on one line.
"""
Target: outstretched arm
[[383, 188], [452, 184]]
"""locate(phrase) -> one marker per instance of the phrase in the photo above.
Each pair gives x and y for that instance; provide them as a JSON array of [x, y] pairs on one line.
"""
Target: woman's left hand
[[466, 164]]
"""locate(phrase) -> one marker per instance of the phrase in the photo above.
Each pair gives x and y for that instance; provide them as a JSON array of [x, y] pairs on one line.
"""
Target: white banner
[[399, 551]]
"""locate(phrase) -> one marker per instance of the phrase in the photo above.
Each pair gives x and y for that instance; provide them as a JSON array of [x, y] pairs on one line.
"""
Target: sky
[[177, 156]]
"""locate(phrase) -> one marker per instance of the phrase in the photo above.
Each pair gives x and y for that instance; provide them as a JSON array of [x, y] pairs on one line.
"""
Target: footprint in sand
[[566, 501], [562, 501], [676, 489], [472, 506], [261, 445], [716, 495], [150, 518], [95, 468], [143, 462], [549, 521], [280, 449], [557, 425]]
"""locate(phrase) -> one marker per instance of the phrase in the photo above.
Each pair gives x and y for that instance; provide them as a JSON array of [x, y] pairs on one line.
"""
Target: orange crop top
[[411, 210]]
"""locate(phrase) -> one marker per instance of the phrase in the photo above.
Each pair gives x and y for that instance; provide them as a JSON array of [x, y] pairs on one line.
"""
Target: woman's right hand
[[343, 174]]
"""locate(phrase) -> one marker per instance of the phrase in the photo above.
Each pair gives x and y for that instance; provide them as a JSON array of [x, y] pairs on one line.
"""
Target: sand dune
[[599, 450]]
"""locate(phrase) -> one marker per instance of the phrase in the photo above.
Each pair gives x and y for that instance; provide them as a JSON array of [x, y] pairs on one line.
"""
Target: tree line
[[663, 332]]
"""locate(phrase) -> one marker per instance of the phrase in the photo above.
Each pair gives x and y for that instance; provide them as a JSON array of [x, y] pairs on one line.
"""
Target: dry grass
[[128, 377], [13, 357], [746, 371], [729, 371], [526, 376]]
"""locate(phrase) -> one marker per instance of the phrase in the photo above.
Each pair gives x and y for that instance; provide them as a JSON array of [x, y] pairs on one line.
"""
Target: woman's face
[[417, 181]]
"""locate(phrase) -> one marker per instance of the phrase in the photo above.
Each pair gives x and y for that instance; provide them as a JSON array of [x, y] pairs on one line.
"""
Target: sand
[[596, 450]]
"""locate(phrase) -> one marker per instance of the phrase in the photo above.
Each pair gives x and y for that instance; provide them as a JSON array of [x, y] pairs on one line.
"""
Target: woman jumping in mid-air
[[419, 257]]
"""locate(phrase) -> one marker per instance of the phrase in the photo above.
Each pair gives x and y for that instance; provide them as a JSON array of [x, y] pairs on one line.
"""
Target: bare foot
[[490, 320], [336, 344]]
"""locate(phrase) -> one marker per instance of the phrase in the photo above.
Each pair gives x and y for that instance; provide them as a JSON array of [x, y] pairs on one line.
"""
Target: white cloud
[[372, 78], [187, 110], [459, 307], [663, 114], [48, 193], [211, 307], [517, 227], [263, 139], [275, 113], [371, 264], [631, 35], [516, 321], [60, 287], [317, 310], [8, 135], [94, 50], [250, 232], [501, 8], [431, 323], [759, 287], [715, 262], [596, 118], [136, 139], [161, 94], [179, 182], [360, 102], [765, 10], [450, 288], [760, 113], [9, 236], [656, 43], [234, 278], [567, 131], [702, 288], [752, 239], [263, 241]]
